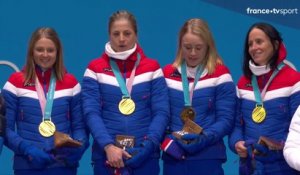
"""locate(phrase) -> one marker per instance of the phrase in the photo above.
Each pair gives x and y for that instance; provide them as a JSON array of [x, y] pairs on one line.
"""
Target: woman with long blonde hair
[[202, 97]]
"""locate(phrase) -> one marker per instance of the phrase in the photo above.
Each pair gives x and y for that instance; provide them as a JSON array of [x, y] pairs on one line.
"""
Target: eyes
[[190, 47], [43, 49], [256, 41], [124, 33]]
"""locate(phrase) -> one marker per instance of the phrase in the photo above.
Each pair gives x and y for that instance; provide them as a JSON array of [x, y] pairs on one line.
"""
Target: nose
[[122, 37], [253, 46], [45, 53], [193, 51]]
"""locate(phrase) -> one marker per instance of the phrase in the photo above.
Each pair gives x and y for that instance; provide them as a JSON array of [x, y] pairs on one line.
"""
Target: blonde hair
[[58, 67], [200, 28]]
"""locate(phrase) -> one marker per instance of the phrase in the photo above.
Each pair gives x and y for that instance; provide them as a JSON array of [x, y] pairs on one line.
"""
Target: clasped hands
[[129, 157], [69, 156], [191, 143], [40, 158], [259, 152]]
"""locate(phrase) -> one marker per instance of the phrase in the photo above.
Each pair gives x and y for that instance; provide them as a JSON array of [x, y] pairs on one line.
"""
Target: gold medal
[[47, 128], [188, 113], [126, 106], [259, 114]]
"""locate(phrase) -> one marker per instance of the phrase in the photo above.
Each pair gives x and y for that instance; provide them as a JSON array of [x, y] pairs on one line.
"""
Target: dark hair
[[122, 14], [275, 40]]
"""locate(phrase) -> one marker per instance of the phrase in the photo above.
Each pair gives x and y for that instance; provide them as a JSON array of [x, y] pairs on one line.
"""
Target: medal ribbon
[[188, 95], [259, 97], [125, 88], [46, 105]]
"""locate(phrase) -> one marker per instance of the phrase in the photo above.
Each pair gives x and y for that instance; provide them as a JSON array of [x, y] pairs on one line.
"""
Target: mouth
[[192, 59], [45, 61], [122, 48], [256, 55]]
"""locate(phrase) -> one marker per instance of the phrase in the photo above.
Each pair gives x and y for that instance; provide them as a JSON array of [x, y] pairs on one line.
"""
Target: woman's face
[[260, 47], [193, 49], [122, 35], [44, 53]]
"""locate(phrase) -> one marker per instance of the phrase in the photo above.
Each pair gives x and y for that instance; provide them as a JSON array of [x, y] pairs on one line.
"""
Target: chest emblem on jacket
[[248, 85], [107, 69], [175, 74]]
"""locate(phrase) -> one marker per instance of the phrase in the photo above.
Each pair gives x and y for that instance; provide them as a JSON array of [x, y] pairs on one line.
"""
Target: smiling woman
[[261, 48], [265, 108], [44, 53], [47, 99]]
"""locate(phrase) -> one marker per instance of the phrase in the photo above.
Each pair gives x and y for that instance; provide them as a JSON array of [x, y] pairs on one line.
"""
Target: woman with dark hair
[[125, 103], [269, 94], [43, 104]]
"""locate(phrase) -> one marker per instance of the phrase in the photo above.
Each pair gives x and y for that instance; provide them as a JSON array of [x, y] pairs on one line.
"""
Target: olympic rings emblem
[[10, 64]]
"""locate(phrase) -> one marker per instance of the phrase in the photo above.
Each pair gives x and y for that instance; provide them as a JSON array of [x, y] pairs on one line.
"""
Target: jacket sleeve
[[79, 131], [159, 107], [291, 150], [294, 98], [225, 106], [91, 99], [2, 121], [12, 139], [237, 131]]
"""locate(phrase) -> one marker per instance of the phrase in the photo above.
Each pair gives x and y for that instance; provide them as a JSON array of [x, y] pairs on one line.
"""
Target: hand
[[265, 155], [115, 156], [37, 157], [194, 142], [70, 156], [248, 144], [241, 149], [245, 151], [140, 154]]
